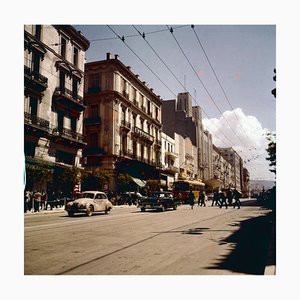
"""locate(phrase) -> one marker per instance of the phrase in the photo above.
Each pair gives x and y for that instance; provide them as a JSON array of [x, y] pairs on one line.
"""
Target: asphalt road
[[203, 241]]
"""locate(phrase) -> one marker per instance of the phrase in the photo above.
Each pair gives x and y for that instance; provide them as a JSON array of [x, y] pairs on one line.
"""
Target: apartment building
[[237, 164], [180, 117], [54, 57], [122, 122], [169, 161]]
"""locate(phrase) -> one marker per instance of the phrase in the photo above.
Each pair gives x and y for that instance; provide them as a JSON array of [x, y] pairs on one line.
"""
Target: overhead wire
[[123, 40], [144, 37], [203, 85], [218, 80]]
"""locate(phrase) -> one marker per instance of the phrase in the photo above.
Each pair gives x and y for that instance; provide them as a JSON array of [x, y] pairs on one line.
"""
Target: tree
[[39, 175], [69, 177], [124, 180], [273, 92], [271, 137], [103, 177]]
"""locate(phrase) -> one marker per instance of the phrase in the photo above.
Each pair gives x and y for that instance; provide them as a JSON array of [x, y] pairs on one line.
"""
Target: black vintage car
[[159, 201]]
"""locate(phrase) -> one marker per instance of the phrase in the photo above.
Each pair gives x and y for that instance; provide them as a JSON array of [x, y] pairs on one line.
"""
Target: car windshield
[[88, 195]]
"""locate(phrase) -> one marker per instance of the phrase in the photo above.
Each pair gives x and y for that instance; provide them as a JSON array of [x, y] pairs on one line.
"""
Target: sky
[[227, 69]]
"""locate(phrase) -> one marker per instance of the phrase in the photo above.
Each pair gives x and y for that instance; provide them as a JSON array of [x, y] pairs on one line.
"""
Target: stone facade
[[122, 122], [53, 96]]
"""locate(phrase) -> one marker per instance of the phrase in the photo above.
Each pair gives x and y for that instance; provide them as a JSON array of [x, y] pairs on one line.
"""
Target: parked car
[[89, 202], [159, 201]]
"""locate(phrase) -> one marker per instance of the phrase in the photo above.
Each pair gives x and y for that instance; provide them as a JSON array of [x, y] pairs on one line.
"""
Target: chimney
[[116, 56], [108, 56]]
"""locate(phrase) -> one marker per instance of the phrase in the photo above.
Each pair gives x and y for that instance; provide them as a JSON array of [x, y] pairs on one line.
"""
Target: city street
[[203, 241]]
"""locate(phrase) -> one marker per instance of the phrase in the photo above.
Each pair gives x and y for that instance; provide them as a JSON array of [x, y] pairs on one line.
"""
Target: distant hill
[[260, 184]]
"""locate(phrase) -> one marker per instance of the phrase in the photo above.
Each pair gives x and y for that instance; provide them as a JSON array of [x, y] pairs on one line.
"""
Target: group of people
[[40, 200], [220, 198]]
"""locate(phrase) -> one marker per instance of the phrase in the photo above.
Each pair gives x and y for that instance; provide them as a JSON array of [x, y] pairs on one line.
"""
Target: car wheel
[[175, 207], [89, 211], [107, 210], [143, 209], [71, 213]]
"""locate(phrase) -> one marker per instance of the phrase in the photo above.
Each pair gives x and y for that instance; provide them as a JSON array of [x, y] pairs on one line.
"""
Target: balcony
[[35, 123], [170, 169], [125, 94], [171, 154], [68, 135], [93, 151], [34, 81], [125, 125], [69, 98], [92, 121], [141, 134]]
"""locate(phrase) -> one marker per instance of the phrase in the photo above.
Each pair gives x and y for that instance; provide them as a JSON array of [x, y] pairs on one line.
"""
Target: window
[[38, 31], [75, 57], [94, 84], [94, 139], [33, 103], [64, 157], [60, 120], [29, 149], [94, 110], [148, 107], [62, 80], [73, 123], [63, 47], [75, 88], [36, 64]]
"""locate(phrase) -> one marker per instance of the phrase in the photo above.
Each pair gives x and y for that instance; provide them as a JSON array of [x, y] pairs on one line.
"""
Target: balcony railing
[[35, 80], [36, 121], [125, 124], [44, 125], [143, 134], [171, 154], [93, 151], [69, 95], [92, 121], [68, 134]]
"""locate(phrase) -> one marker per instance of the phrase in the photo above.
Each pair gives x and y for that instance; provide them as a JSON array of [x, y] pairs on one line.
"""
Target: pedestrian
[[25, 201], [37, 200], [202, 199], [191, 199], [229, 197], [216, 198], [222, 199], [236, 196], [44, 200]]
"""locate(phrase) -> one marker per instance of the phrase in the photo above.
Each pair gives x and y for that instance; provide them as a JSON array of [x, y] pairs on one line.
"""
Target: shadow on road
[[250, 247]]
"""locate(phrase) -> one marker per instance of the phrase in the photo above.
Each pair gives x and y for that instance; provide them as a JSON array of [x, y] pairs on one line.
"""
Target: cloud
[[247, 137]]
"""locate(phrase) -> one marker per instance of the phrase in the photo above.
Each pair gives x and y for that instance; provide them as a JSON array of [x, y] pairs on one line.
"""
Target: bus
[[184, 186]]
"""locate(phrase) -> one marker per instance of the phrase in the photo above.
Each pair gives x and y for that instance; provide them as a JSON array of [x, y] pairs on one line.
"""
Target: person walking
[[236, 196], [37, 201], [222, 199], [229, 197], [216, 198], [191, 199], [202, 199]]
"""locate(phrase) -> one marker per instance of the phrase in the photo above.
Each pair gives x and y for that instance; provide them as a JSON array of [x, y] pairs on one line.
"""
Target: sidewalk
[[61, 209]]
